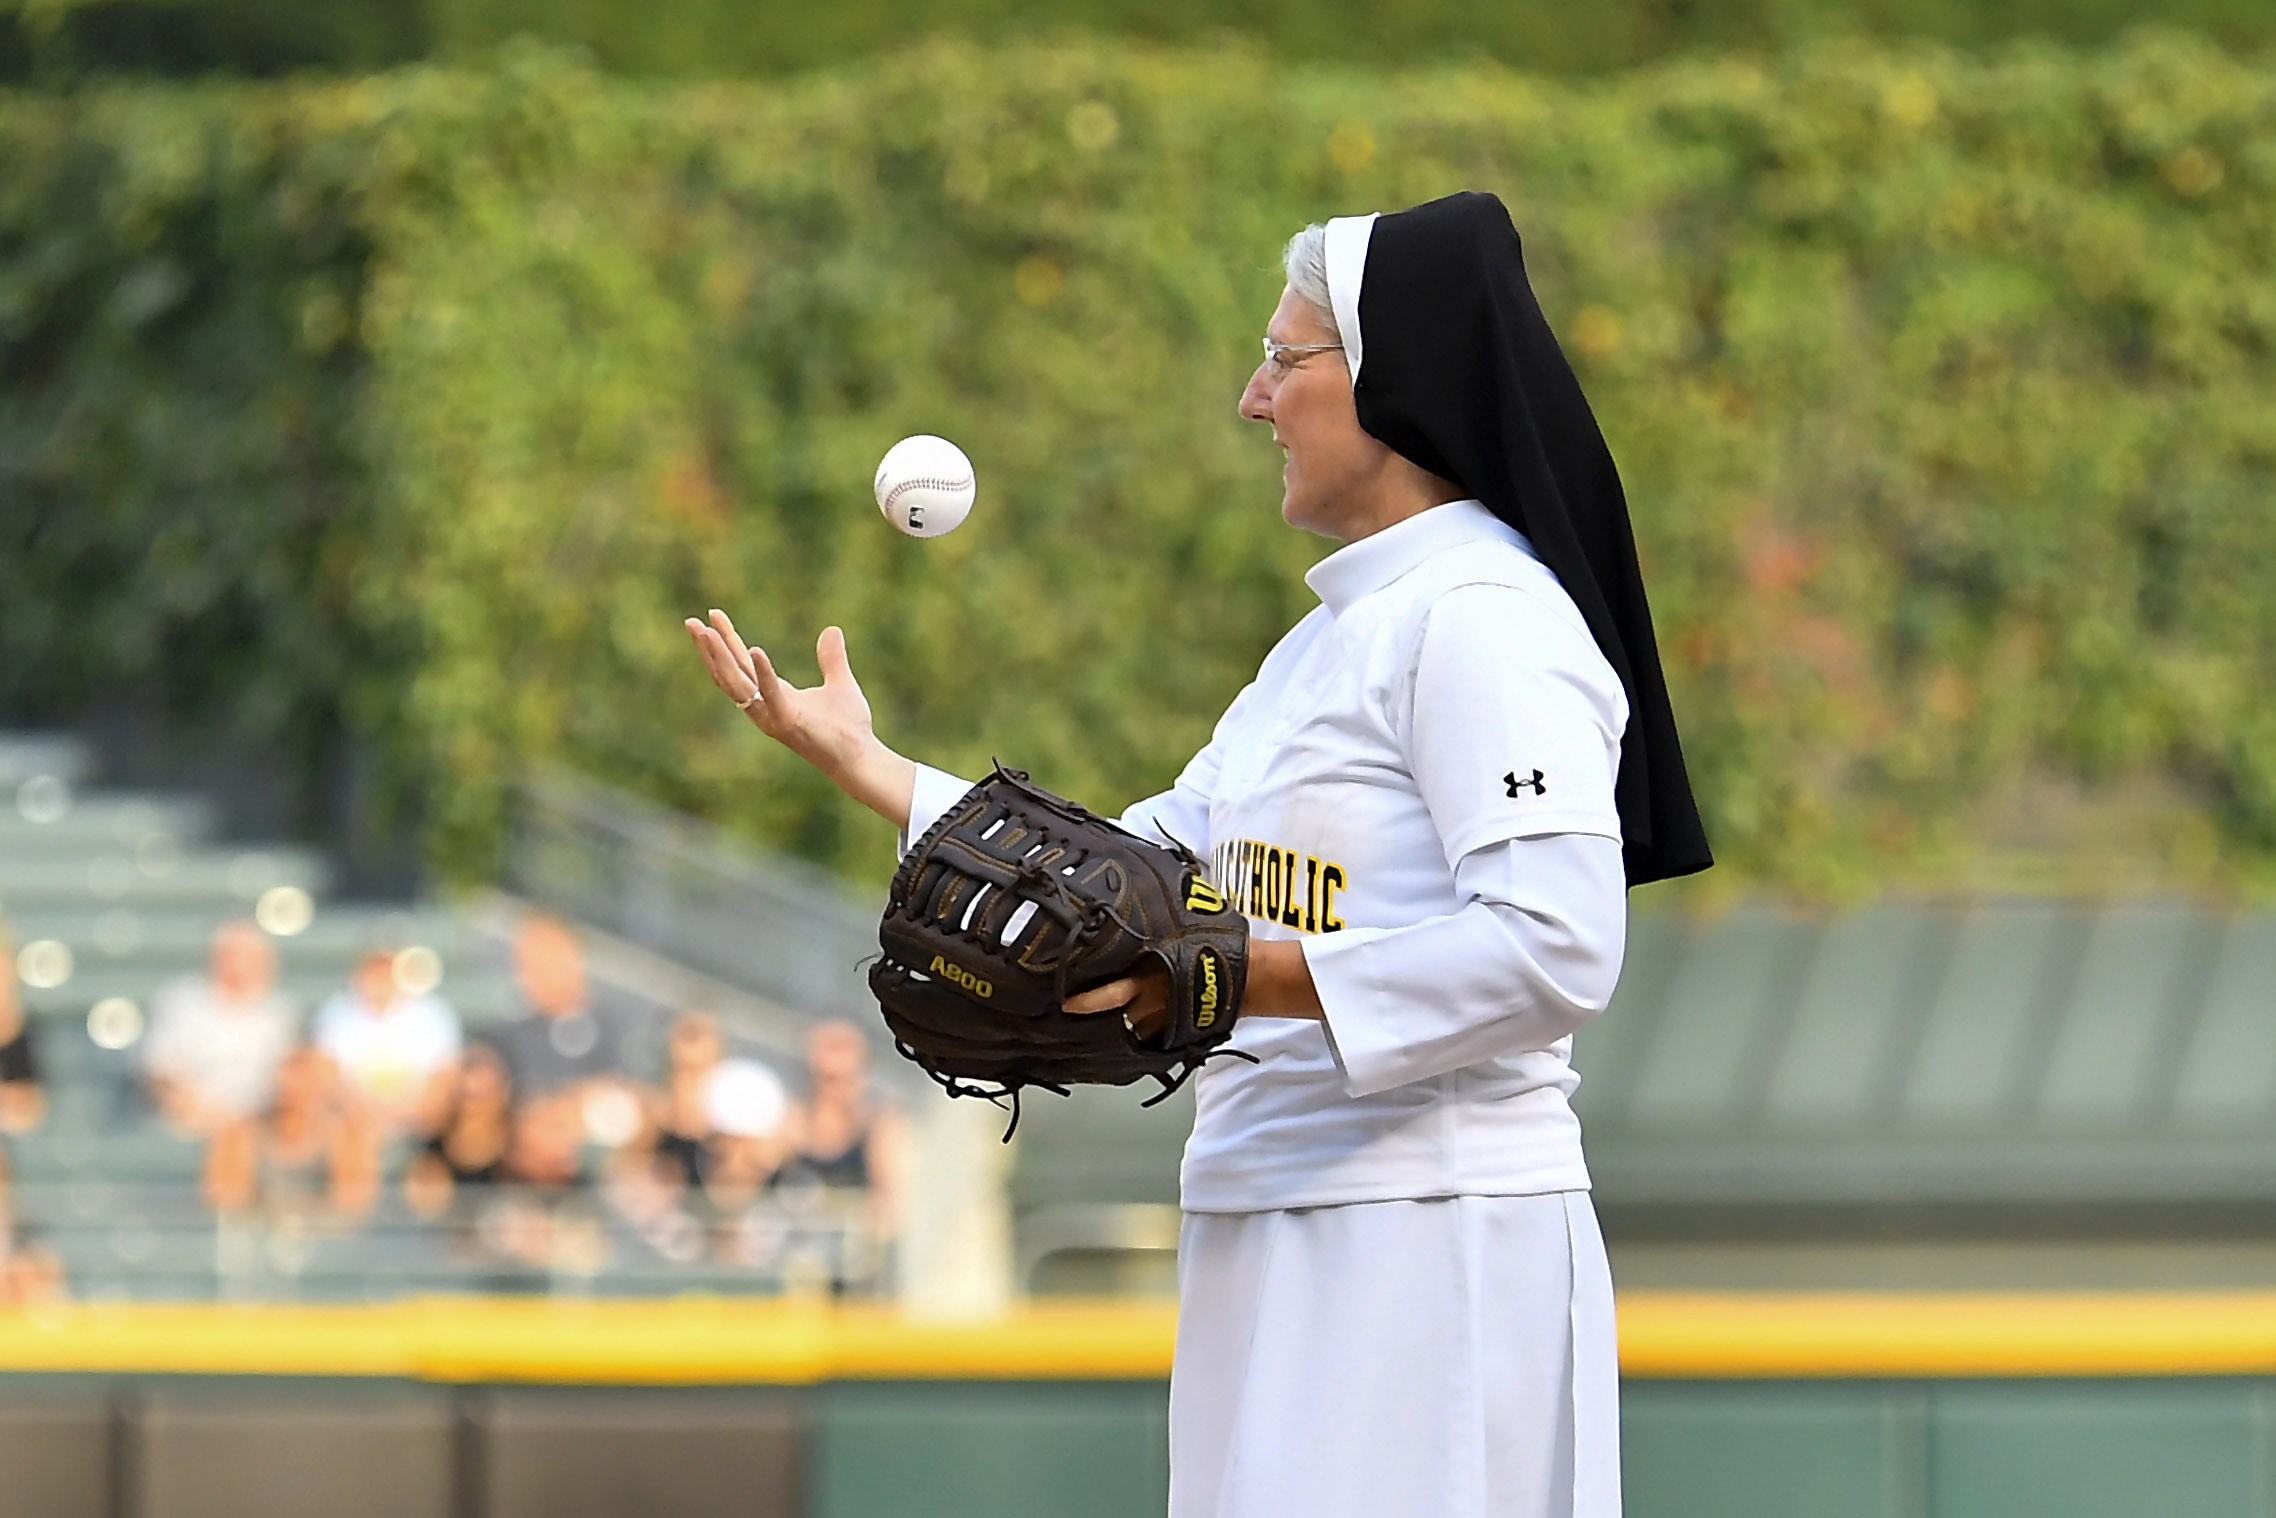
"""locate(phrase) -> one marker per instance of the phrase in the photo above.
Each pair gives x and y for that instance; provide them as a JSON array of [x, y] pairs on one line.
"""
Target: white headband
[[1347, 264]]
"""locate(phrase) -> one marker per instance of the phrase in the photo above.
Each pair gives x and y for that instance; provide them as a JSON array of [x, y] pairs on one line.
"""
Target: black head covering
[[1457, 370]]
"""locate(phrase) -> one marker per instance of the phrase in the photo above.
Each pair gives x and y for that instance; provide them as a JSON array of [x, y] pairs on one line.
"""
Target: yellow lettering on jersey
[[1275, 884]]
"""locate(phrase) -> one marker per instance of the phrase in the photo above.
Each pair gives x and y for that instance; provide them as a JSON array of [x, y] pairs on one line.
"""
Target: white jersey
[[1419, 786], [389, 1054]]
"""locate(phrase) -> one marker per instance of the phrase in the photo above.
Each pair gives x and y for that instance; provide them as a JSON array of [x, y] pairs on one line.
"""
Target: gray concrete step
[[145, 1153], [341, 929], [167, 944], [27, 756], [226, 881], [60, 825], [480, 999]]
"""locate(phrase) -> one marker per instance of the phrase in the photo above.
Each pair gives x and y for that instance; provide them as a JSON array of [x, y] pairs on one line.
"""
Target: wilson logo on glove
[[1201, 896], [957, 975], [1205, 1003]]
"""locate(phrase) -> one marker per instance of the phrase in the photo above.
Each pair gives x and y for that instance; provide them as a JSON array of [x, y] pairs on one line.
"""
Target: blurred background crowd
[[572, 1129]]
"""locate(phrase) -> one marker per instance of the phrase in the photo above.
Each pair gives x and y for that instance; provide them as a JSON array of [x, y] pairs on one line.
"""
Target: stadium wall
[[1766, 1406]]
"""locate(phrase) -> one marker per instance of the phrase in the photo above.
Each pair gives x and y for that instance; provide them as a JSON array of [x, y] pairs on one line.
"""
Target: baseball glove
[[1017, 899]]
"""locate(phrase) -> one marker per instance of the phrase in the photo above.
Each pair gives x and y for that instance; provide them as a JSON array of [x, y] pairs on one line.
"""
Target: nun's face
[[1333, 464]]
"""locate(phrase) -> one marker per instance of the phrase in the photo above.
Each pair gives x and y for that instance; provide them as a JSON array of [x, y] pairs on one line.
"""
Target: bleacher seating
[[132, 888], [1950, 1071]]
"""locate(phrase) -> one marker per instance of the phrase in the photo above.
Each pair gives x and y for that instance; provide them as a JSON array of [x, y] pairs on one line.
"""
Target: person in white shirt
[[216, 1041], [1394, 1299], [395, 1051]]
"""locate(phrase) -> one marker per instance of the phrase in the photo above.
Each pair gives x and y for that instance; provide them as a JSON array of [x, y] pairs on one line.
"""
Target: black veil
[[1455, 368]]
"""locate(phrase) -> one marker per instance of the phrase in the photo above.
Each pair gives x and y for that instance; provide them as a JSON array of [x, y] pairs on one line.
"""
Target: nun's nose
[[1256, 400]]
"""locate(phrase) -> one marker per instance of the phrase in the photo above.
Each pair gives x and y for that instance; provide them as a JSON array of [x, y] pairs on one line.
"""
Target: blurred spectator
[[543, 1218], [546, 1155], [466, 1150], [719, 1119], [749, 1114], [568, 1041], [29, 1270], [841, 1138], [682, 1150], [569, 1053], [395, 1051], [716, 1136], [23, 1101], [298, 1162], [513, 1173], [217, 1041]]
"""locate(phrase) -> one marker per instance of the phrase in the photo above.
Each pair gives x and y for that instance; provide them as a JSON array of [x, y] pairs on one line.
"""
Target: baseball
[[925, 485]]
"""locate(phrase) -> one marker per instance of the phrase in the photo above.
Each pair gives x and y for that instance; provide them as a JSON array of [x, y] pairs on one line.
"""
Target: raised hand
[[827, 725]]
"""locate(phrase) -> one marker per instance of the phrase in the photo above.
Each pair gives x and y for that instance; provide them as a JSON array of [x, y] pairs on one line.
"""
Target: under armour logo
[[1515, 785]]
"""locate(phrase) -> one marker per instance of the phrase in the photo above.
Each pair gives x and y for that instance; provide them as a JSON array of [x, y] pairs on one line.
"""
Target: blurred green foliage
[[714, 37], [724, 38], [60, 40], [182, 489], [1945, 391]]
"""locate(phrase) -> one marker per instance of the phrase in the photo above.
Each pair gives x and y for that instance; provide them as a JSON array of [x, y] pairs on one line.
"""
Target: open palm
[[828, 725]]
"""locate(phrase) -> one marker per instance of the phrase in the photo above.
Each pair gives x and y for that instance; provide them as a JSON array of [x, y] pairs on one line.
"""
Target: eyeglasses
[[1282, 358]]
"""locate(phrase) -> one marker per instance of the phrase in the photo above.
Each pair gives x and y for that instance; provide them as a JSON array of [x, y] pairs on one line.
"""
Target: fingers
[[1111, 997], [717, 661], [734, 641], [761, 669], [743, 672], [830, 653]]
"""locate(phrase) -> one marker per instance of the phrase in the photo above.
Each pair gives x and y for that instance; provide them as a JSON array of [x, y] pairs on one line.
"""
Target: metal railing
[[773, 926]]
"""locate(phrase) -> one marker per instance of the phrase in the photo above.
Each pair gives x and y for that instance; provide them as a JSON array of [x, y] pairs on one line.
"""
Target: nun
[[1430, 803]]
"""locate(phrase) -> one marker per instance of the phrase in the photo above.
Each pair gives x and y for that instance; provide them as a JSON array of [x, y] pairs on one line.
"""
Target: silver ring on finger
[[752, 701]]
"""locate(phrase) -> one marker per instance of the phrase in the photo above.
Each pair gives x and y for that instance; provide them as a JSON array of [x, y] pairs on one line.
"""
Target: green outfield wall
[[1734, 1406], [1923, 1448]]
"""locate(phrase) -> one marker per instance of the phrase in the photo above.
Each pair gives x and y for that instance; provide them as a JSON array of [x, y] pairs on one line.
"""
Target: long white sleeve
[[1533, 955], [1181, 812], [935, 792]]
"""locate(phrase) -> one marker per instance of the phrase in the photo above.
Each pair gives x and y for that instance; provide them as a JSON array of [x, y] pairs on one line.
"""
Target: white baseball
[[925, 485]]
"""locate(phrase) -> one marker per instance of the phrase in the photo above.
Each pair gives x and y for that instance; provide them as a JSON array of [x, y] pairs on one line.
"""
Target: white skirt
[[1449, 1358]]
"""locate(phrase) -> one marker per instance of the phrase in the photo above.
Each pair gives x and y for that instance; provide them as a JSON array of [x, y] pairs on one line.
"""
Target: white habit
[[1446, 1358], [1394, 1300]]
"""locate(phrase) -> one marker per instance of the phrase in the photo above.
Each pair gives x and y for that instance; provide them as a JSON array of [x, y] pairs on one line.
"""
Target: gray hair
[[1307, 264]]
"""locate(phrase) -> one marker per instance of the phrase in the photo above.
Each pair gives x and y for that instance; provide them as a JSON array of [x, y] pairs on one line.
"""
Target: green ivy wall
[[424, 406]]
